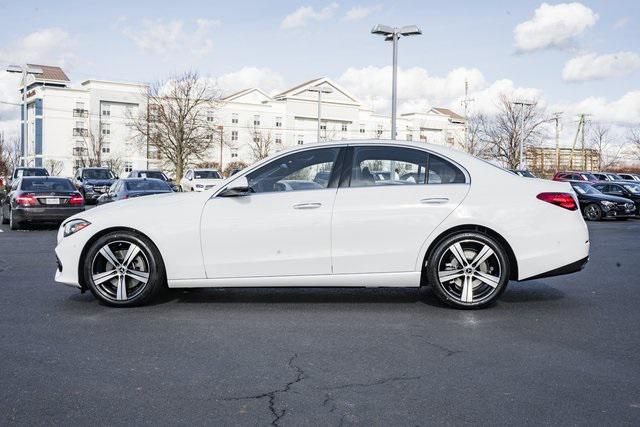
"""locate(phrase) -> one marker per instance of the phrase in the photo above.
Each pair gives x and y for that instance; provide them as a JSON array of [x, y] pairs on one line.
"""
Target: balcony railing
[[80, 112], [80, 132]]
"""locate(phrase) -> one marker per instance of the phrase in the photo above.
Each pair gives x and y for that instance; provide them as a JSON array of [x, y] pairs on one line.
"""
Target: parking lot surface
[[563, 350]]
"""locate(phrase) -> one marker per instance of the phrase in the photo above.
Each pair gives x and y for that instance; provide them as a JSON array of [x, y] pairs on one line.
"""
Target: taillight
[[26, 200], [76, 200], [564, 200]]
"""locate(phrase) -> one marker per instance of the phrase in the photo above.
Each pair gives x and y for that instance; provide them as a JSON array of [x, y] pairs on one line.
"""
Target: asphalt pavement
[[562, 350]]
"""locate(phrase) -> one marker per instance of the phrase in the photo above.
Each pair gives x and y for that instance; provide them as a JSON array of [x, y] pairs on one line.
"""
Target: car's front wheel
[[468, 270], [124, 269], [592, 212]]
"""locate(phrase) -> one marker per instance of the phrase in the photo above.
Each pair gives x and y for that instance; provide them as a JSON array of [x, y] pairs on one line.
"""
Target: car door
[[269, 232], [379, 226]]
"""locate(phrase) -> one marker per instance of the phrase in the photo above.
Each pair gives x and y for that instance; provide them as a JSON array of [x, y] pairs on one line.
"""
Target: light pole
[[392, 34], [521, 163], [24, 70], [320, 91]]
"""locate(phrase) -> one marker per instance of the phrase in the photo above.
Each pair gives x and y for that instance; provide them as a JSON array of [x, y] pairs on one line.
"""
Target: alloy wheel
[[120, 270], [591, 212], [469, 271]]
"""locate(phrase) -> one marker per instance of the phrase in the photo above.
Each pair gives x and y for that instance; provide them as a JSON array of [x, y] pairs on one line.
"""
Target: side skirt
[[407, 279]]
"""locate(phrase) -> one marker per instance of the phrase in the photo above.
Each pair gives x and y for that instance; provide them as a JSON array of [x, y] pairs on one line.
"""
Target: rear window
[[147, 185], [46, 185], [31, 172], [152, 174], [207, 175], [97, 174]]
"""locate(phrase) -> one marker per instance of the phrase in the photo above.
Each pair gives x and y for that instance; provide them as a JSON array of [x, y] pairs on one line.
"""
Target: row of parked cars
[[31, 195], [602, 194]]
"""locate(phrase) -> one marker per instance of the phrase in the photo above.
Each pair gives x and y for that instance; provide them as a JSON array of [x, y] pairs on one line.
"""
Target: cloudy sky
[[574, 57]]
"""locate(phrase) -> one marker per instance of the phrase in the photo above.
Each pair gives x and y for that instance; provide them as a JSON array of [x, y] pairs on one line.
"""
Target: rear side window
[[147, 185], [377, 166]]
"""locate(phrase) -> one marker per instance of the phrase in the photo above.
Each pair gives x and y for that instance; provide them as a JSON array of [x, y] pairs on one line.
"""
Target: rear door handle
[[311, 205], [434, 200]]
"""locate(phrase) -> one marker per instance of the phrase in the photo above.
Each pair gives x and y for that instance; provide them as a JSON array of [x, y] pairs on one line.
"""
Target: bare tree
[[512, 124], [54, 166], [114, 162], [93, 143], [475, 142], [179, 122], [231, 166], [600, 140], [634, 140], [261, 143], [9, 155]]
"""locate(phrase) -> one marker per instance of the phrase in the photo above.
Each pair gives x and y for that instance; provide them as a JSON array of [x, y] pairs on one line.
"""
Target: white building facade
[[64, 121]]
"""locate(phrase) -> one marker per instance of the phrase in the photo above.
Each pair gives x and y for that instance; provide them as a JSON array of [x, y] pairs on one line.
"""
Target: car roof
[[28, 178]]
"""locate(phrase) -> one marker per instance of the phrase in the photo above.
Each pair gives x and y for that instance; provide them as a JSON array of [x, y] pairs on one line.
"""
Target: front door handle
[[312, 205], [434, 200]]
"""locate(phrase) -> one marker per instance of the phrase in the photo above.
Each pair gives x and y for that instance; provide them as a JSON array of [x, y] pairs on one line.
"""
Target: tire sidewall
[[598, 210], [432, 270], [157, 276]]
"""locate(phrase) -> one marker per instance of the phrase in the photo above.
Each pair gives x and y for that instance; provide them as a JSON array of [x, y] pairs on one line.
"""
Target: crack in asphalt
[[449, 352], [271, 395], [380, 381]]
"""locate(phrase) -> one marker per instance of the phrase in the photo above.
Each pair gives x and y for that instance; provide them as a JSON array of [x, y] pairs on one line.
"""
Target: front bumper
[[48, 214]]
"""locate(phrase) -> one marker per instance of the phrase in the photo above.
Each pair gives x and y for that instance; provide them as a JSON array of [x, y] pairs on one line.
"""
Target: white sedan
[[461, 225], [200, 179]]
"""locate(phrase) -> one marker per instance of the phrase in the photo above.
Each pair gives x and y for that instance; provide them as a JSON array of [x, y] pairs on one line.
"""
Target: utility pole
[[221, 129], [465, 104], [581, 123], [320, 91], [584, 154], [521, 163], [557, 119]]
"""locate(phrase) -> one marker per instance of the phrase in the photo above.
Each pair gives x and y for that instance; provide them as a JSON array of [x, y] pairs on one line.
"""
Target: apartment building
[[66, 124]]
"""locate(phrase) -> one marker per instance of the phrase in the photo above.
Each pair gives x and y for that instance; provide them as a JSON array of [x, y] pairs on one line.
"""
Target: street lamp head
[[410, 30], [383, 30], [20, 69], [14, 69]]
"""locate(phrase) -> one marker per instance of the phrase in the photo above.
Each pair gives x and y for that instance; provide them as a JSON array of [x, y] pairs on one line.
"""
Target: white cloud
[[301, 16], [360, 12], [553, 26], [164, 37], [592, 66], [49, 45], [249, 77], [622, 111], [621, 23]]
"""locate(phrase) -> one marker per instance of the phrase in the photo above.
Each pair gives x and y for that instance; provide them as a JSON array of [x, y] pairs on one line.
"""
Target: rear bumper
[[47, 214], [573, 267]]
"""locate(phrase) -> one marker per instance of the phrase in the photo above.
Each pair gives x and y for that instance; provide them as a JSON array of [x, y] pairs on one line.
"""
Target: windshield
[[589, 177], [633, 188], [614, 177], [154, 175], [46, 185], [97, 174], [146, 185], [526, 174], [31, 172], [206, 174], [581, 188]]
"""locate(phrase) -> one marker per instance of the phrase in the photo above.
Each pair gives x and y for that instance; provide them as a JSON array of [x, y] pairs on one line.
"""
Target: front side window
[[295, 172], [375, 166]]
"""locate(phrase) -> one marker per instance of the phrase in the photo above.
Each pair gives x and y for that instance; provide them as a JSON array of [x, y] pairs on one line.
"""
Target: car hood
[[98, 182], [604, 197]]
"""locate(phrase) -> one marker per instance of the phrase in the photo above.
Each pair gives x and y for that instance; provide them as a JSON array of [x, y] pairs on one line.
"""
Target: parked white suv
[[200, 179]]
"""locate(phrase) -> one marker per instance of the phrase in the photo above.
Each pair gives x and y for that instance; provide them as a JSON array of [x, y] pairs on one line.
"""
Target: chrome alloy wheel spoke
[[140, 276], [121, 293], [458, 253], [448, 275], [132, 252], [467, 289], [482, 256], [106, 252], [105, 276], [490, 280]]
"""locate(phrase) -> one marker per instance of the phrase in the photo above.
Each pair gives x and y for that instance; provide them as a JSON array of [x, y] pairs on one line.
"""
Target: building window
[[278, 139], [278, 122], [106, 149], [234, 118], [409, 137], [300, 139], [210, 116], [105, 129], [256, 120], [256, 139], [78, 164], [128, 166], [379, 131], [79, 129], [79, 111], [361, 128], [106, 109], [234, 153], [234, 135], [323, 126], [344, 127]]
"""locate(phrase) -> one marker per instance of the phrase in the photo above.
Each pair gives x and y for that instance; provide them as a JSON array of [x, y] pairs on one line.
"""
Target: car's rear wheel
[[592, 212], [5, 220], [14, 224], [124, 269], [468, 270]]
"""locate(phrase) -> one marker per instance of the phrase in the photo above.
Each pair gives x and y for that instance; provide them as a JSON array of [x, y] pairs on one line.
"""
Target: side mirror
[[239, 187]]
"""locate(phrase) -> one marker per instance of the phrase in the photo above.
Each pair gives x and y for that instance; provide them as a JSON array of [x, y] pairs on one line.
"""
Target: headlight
[[607, 204], [88, 187], [198, 185], [74, 226]]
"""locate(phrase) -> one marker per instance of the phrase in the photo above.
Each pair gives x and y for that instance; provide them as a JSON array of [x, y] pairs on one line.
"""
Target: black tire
[[592, 212], [451, 291], [5, 220], [147, 292], [13, 223]]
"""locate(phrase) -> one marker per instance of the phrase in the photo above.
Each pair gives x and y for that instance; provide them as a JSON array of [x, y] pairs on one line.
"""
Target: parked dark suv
[[595, 205], [26, 171], [93, 182], [154, 174]]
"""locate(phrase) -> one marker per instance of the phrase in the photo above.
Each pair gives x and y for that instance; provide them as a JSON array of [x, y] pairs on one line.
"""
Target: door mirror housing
[[239, 187]]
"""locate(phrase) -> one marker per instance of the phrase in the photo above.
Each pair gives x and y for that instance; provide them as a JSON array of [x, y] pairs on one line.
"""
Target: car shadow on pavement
[[534, 291]]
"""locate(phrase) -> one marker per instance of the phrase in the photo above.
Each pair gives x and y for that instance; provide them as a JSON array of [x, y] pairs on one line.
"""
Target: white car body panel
[[275, 245]]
